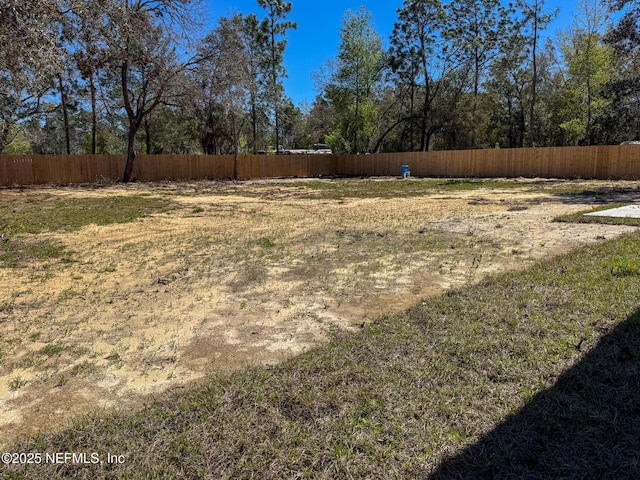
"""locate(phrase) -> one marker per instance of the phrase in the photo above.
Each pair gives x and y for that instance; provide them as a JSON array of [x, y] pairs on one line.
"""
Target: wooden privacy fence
[[603, 162]]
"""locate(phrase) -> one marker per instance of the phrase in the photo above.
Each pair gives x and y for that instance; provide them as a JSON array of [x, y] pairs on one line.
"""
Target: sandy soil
[[250, 275]]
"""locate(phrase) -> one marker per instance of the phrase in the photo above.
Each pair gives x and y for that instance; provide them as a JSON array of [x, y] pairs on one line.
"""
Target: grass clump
[[624, 267], [387, 189], [16, 383], [580, 217], [39, 214], [19, 252], [532, 374], [51, 350], [266, 243], [383, 188], [21, 222], [579, 189]]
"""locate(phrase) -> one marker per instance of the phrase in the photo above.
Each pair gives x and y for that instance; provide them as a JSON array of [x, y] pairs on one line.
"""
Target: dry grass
[[539, 381], [150, 278], [478, 383]]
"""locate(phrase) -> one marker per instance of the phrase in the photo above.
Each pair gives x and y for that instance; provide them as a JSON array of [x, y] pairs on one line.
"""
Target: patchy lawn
[[108, 295]]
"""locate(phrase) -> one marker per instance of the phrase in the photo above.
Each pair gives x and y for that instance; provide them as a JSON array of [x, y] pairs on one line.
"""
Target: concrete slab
[[630, 211]]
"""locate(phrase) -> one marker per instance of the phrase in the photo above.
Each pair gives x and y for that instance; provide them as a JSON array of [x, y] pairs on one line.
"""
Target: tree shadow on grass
[[587, 426], [601, 195]]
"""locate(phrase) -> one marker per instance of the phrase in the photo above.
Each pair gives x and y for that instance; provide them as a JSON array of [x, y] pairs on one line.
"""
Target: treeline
[[112, 76]]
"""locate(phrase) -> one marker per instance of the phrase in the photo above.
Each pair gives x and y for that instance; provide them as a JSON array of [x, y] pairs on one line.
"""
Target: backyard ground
[[216, 276]]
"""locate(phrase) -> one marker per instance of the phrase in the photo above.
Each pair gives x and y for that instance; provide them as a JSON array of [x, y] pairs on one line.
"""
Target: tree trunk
[[236, 140], [354, 148], [131, 153], [274, 72], [4, 137], [512, 140], [135, 119], [522, 127], [147, 135], [425, 108], [65, 116], [588, 132], [378, 145], [254, 121], [534, 81], [94, 117], [429, 135], [277, 133], [411, 108], [474, 107], [235, 162], [424, 141]]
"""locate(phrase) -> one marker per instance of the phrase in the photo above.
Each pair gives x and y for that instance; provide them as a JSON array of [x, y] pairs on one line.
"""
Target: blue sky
[[317, 37]]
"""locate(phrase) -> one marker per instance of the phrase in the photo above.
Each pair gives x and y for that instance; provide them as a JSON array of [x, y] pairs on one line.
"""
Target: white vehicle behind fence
[[318, 149]]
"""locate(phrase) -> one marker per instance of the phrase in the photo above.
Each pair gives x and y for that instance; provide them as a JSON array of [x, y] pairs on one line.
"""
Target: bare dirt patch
[[244, 274]]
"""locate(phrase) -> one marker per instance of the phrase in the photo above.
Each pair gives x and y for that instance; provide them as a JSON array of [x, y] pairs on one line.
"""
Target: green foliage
[[359, 69], [266, 243], [359, 54], [507, 87], [337, 141], [273, 29], [108, 140], [224, 83], [170, 132], [624, 267], [20, 144], [293, 124], [30, 60], [51, 350], [591, 67], [422, 62], [465, 74]]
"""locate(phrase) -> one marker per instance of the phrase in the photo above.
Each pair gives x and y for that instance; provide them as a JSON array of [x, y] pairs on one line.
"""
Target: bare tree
[[29, 60], [88, 50], [142, 41], [254, 42], [223, 83], [536, 18]]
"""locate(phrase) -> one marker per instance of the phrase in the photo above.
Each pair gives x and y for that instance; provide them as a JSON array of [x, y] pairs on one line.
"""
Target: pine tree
[[272, 30], [358, 71]]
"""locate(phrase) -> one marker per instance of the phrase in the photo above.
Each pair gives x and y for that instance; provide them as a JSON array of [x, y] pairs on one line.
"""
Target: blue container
[[404, 171]]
